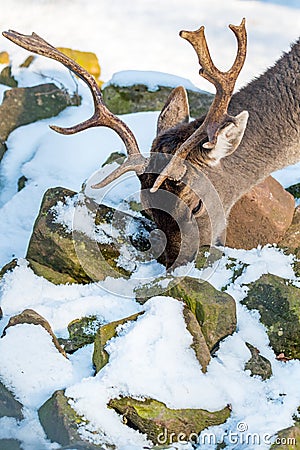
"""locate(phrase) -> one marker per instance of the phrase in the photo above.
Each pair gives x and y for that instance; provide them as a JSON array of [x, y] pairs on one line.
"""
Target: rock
[[59, 420], [9, 406], [215, 311], [258, 364], [22, 106], [261, 216], [288, 439], [137, 98], [291, 240], [32, 317], [294, 190], [81, 332], [163, 425], [28, 61], [51, 250], [279, 306], [87, 60], [63, 256], [114, 157], [103, 335], [10, 444], [22, 182], [210, 315], [199, 344], [7, 78], [1, 313], [8, 267]]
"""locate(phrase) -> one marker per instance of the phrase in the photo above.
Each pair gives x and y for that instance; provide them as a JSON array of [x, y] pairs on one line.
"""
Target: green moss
[[22, 106], [103, 335], [279, 306], [214, 310], [114, 157], [7, 78], [137, 98], [52, 251], [50, 274], [81, 332], [294, 190]]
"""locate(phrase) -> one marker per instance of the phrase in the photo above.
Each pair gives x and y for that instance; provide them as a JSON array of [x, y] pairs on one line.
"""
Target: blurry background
[[143, 34]]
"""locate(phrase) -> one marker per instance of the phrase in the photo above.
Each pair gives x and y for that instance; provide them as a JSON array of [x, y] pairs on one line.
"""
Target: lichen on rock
[[278, 303]]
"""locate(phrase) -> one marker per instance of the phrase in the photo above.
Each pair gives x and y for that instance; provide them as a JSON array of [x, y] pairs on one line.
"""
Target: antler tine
[[217, 115], [241, 36], [102, 116]]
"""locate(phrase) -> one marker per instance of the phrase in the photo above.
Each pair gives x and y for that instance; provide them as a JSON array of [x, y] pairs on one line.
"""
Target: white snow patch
[[152, 79]]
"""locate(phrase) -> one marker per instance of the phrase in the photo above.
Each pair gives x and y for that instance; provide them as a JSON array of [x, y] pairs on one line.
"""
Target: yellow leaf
[[4, 58], [87, 60]]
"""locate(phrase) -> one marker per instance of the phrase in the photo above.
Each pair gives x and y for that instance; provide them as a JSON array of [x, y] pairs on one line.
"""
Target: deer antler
[[217, 115], [101, 117]]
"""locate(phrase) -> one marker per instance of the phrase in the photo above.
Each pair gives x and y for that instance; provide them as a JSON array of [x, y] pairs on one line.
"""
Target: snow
[[151, 356], [26, 368], [151, 79]]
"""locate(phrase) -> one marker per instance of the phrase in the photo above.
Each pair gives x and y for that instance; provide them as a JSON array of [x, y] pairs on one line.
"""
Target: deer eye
[[197, 208]]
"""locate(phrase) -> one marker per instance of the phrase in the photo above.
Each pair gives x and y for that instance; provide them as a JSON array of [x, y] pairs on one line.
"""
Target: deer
[[197, 170]]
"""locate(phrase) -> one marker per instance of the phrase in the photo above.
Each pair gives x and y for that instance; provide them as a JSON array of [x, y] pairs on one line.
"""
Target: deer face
[[189, 211], [176, 187]]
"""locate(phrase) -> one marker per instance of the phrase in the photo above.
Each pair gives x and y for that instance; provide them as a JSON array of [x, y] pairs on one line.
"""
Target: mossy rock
[[22, 182], [279, 306], [22, 106], [59, 420], [81, 332], [294, 190], [103, 335], [163, 425], [199, 344], [138, 98], [291, 240], [28, 61], [214, 310], [7, 78], [10, 444], [8, 267], [9, 406], [258, 364], [114, 157], [62, 256]]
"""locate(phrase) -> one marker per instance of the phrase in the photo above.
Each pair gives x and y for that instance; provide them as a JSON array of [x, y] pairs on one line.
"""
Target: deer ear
[[228, 139], [175, 111]]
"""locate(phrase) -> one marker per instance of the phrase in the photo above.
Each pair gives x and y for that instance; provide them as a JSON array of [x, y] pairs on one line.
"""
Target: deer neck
[[272, 137]]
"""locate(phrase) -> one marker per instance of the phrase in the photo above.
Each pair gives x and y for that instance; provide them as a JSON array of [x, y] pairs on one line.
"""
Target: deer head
[[175, 180]]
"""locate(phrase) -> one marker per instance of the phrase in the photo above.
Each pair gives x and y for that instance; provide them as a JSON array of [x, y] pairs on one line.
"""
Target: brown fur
[[271, 141]]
